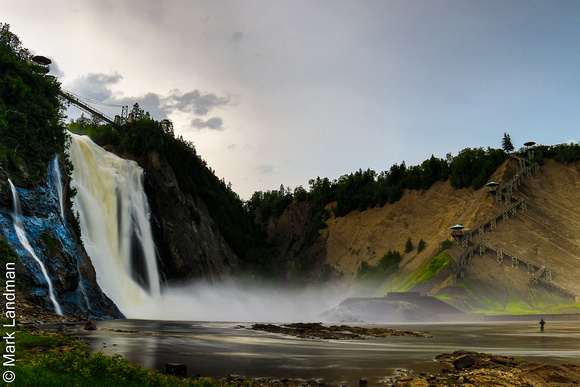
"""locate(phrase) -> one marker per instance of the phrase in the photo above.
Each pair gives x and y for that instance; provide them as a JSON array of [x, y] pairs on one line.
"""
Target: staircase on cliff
[[471, 239]]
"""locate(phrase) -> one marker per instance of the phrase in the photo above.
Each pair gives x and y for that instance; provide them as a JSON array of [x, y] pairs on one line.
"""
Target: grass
[[51, 359], [537, 301], [424, 272]]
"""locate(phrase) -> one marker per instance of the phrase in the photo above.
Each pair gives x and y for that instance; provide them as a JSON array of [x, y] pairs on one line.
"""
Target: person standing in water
[[542, 323]]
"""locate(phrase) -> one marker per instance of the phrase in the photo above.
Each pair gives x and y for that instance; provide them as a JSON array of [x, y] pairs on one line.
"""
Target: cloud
[[237, 37], [195, 101], [56, 70], [214, 123], [98, 87], [265, 169]]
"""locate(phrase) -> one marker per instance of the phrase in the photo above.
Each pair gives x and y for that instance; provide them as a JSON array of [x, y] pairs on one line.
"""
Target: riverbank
[[517, 352], [56, 359], [483, 369]]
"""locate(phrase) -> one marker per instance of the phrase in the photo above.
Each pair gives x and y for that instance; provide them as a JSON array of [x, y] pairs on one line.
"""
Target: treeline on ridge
[[366, 189], [362, 190]]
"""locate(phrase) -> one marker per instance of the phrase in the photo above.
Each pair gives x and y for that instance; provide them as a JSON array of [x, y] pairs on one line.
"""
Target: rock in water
[[90, 326], [464, 362]]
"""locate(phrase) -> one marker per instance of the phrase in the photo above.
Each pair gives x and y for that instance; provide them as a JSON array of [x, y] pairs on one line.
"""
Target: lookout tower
[[461, 235], [42, 63], [530, 148], [457, 232], [492, 185]]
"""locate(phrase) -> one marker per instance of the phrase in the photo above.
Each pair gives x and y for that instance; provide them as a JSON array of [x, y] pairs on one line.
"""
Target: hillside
[[545, 235]]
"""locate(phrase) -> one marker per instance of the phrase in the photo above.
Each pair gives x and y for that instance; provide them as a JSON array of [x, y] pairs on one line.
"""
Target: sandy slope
[[547, 234]]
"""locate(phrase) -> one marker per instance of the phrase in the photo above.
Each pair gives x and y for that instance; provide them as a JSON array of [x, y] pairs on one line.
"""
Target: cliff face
[[543, 234], [48, 230], [190, 245]]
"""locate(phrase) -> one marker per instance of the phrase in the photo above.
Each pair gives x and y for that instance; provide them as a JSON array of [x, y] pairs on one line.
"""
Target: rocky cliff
[[189, 243], [49, 230], [529, 260]]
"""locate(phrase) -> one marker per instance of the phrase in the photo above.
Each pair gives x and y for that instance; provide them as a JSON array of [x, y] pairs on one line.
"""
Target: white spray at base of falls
[[114, 218], [21, 234]]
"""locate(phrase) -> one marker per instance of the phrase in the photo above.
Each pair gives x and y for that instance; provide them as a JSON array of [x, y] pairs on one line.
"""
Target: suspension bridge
[[43, 66], [83, 104]]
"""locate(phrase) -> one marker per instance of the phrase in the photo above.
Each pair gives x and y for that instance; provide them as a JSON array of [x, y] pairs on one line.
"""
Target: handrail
[[87, 108]]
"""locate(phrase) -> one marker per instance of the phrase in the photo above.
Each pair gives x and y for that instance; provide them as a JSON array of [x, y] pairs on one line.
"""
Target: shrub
[[408, 245], [421, 245]]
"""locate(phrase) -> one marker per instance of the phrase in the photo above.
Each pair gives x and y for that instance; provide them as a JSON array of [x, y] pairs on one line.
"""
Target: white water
[[84, 292], [114, 222], [19, 228], [113, 210], [57, 181]]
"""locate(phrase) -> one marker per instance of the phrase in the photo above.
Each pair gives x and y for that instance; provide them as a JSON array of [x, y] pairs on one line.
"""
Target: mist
[[238, 301]]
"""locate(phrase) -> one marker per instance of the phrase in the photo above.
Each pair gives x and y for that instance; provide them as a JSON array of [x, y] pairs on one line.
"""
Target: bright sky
[[279, 92]]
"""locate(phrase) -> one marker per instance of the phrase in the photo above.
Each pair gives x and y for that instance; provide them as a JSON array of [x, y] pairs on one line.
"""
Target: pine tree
[[408, 245], [506, 143]]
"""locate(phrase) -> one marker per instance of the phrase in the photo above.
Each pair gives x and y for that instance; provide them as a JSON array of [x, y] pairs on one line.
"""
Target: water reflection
[[219, 349]]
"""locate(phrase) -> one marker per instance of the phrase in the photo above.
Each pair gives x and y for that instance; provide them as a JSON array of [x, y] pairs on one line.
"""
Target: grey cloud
[[55, 70], [214, 123], [265, 169], [195, 101], [237, 37], [97, 86]]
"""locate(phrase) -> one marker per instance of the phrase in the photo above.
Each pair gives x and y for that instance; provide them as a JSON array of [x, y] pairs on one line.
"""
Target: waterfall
[[57, 181], [19, 228], [114, 219], [81, 286]]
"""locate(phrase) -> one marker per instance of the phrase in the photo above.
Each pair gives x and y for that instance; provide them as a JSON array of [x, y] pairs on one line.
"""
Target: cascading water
[[57, 182], [84, 292], [116, 232], [19, 228]]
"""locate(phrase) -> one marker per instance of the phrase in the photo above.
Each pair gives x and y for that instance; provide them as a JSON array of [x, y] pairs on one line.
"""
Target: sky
[[280, 92]]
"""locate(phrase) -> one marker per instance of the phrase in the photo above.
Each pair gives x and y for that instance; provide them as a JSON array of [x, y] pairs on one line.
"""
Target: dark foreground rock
[[333, 332], [483, 369]]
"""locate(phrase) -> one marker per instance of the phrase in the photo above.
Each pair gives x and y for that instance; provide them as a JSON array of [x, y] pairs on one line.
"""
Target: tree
[[506, 143], [421, 245], [408, 245]]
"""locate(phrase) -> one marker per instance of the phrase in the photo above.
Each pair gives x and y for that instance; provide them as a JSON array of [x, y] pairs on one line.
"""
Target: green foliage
[[421, 245], [446, 244], [386, 266], [366, 189], [408, 245], [7, 253], [49, 243], [425, 272], [30, 110], [506, 143], [472, 167], [389, 263], [270, 203], [40, 363], [564, 153]]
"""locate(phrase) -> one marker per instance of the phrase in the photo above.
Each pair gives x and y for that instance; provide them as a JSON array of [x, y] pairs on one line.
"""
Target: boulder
[[464, 362]]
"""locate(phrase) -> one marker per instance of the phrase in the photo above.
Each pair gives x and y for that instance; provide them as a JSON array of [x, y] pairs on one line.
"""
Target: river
[[220, 349]]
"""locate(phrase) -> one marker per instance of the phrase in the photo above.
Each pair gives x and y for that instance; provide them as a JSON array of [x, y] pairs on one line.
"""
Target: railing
[[74, 100]]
